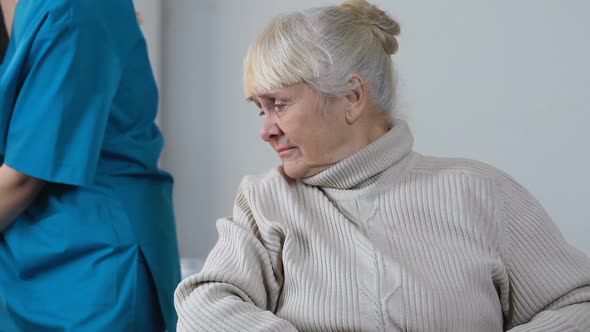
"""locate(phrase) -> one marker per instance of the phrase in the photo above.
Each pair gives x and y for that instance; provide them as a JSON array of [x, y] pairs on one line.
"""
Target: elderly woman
[[356, 231]]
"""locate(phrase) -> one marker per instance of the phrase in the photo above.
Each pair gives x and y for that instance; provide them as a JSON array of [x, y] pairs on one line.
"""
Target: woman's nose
[[270, 129]]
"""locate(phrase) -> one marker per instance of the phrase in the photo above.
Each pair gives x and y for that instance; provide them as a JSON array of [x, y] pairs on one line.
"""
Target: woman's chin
[[295, 170]]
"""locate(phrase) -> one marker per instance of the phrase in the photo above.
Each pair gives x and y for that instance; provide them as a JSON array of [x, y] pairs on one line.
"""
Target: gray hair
[[323, 47]]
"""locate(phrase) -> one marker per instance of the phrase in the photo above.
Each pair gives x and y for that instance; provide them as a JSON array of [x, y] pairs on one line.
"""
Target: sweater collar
[[362, 167]]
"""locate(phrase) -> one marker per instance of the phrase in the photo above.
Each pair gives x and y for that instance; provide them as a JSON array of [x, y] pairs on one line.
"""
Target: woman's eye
[[279, 107], [261, 113]]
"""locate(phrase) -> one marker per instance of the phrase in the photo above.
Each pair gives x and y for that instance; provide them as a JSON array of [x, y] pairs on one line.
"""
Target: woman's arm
[[17, 191], [549, 281], [239, 286]]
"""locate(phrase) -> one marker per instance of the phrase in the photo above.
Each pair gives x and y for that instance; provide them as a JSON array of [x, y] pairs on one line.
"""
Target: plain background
[[505, 82]]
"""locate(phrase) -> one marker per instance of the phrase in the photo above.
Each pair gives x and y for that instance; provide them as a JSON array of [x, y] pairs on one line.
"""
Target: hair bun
[[382, 25]]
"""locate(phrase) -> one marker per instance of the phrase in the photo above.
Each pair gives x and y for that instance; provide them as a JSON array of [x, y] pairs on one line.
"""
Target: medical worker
[[87, 232]]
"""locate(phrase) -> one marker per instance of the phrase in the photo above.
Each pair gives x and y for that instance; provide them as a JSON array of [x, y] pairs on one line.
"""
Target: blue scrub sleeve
[[60, 115]]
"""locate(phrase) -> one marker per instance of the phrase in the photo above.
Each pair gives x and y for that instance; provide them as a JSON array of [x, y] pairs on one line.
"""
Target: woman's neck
[[8, 8]]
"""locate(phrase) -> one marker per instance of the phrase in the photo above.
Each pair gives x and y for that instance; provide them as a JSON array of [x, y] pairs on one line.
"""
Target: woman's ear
[[355, 99]]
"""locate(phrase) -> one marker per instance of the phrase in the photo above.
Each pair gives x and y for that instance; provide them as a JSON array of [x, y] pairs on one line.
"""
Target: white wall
[[503, 81]]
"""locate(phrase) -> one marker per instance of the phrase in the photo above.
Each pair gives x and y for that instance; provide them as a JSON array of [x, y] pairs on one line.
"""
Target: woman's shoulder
[[105, 14], [50, 12], [435, 165], [52, 16]]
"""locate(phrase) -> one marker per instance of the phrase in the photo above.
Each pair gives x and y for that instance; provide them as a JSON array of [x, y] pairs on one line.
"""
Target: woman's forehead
[[290, 91]]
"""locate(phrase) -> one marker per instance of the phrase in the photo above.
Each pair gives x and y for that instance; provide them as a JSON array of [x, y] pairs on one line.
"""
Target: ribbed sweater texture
[[388, 240]]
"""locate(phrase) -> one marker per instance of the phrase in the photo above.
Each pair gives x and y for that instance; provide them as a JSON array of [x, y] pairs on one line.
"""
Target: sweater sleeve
[[549, 281], [239, 285]]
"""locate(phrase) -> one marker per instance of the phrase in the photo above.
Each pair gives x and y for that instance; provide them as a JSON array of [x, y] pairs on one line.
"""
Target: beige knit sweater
[[388, 240]]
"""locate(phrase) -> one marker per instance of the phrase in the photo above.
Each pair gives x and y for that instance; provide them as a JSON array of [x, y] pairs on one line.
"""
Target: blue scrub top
[[77, 106]]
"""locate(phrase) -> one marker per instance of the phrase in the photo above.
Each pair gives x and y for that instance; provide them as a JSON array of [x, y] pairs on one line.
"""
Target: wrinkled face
[[307, 138]]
